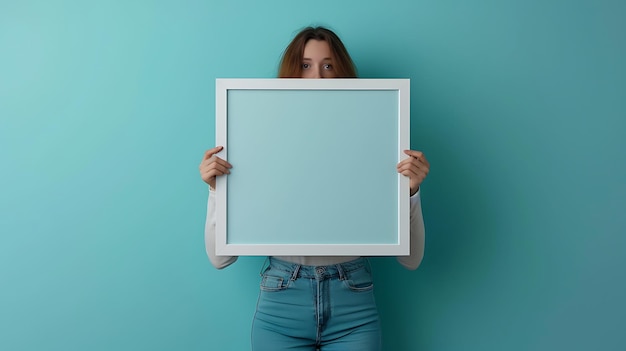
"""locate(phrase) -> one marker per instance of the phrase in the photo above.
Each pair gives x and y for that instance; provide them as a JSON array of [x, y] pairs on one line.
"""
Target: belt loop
[[368, 266], [342, 273], [296, 270], [264, 266]]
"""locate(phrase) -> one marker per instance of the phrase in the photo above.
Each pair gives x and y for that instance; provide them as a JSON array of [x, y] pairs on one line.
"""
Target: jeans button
[[320, 270]]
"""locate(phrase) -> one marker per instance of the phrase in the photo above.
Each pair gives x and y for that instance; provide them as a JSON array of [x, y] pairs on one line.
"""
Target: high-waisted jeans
[[329, 308]]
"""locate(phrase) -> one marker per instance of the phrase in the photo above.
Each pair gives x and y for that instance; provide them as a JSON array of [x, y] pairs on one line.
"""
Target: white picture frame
[[313, 167]]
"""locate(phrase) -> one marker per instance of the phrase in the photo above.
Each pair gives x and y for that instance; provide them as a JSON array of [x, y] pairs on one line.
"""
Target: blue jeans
[[329, 308]]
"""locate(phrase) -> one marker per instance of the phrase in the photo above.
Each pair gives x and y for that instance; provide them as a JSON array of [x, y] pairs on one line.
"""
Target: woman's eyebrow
[[324, 59]]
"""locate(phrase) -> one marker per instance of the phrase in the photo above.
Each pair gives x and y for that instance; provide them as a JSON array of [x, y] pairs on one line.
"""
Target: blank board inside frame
[[314, 167]]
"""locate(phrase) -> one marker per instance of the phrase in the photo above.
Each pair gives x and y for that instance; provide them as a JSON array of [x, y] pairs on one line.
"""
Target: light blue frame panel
[[314, 167]]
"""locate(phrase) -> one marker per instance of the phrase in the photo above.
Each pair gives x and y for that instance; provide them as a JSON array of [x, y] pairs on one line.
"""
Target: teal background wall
[[107, 106]]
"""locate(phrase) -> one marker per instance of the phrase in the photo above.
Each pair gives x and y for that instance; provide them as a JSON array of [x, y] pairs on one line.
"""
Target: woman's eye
[[328, 66], [306, 66]]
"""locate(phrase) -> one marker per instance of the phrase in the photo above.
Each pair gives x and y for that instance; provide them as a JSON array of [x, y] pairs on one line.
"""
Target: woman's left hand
[[415, 167]]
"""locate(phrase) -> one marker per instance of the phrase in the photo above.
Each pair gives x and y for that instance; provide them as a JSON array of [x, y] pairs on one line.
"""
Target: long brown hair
[[291, 63]]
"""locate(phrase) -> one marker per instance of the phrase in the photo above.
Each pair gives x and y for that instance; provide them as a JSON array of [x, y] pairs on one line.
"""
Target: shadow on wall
[[455, 261], [455, 205]]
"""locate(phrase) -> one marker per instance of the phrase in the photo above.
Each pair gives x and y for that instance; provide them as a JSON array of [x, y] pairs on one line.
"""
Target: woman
[[325, 303]]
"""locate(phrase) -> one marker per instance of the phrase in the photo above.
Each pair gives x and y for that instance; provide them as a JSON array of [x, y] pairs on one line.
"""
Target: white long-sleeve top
[[410, 262]]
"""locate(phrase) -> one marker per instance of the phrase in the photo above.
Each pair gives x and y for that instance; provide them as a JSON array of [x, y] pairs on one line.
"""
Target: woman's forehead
[[317, 49]]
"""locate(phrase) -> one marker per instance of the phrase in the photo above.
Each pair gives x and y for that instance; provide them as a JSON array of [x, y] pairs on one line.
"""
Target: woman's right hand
[[213, 166]]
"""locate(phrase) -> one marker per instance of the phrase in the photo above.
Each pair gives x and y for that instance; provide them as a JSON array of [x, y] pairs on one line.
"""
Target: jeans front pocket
[[275, 280], [359, 280]]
